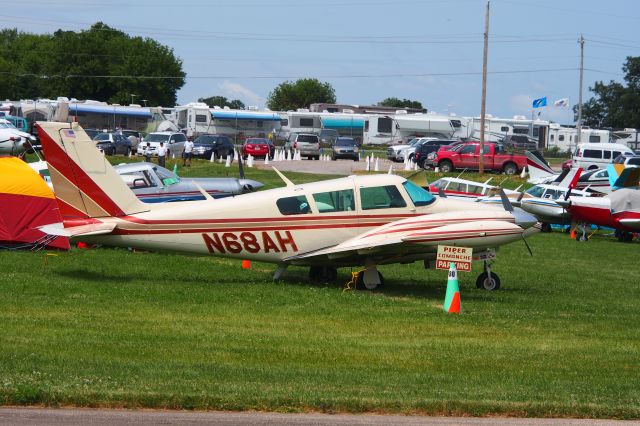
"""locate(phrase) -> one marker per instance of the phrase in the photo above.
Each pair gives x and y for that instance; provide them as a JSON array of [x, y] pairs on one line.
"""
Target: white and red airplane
[[351, 221]]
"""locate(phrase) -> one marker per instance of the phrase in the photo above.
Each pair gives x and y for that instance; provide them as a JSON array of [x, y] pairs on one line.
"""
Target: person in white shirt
[[162, 154], [186, 155]]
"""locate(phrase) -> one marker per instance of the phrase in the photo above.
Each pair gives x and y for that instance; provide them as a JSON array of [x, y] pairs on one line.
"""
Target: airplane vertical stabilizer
[[84, 183], [538, 167]]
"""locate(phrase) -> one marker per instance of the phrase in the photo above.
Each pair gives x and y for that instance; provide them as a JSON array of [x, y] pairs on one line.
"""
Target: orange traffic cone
[[246, 264], [573, 234]]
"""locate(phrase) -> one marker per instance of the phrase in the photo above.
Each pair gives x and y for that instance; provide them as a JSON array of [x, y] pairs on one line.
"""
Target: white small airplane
[[469, 190], [346, 222], [541, 200]]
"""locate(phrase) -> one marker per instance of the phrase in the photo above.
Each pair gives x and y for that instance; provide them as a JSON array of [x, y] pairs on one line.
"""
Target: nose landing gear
[[488, 280]]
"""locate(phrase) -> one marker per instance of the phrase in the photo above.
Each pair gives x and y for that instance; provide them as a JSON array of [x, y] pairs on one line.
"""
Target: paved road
[[81, 416]]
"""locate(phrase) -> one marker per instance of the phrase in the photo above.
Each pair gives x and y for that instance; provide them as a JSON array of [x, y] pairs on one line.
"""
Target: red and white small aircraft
[[351, 221]]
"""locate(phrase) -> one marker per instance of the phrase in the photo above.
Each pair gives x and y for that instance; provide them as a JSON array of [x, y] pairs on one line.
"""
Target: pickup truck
[[468, 157]]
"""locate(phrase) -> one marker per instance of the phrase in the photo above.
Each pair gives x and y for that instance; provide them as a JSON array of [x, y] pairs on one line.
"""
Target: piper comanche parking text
[[352, 221]]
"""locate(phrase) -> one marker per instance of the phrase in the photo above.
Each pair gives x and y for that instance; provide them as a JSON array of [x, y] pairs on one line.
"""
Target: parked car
[[345, 147], [566, 165], [134, 136], [208, 143], [394, 152], [174, 141], [113, 143], [423, 150], [307, 143], [591, 156], [627, 160], [258, 147]]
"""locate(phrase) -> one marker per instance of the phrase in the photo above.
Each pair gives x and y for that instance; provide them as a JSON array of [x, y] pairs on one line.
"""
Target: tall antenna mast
[[483, 109], [579, 123]]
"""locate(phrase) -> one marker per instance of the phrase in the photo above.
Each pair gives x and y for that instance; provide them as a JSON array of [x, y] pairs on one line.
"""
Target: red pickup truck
[[468, 157]]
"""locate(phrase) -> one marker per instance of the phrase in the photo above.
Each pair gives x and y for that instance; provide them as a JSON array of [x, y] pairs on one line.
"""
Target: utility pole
[[483, 109], [579, 123]]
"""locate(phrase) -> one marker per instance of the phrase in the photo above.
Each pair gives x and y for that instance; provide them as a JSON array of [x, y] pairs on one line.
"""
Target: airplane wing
[[418, 236]]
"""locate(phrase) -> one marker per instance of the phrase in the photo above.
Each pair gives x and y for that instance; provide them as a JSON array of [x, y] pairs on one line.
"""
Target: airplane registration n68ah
[[352, 221]]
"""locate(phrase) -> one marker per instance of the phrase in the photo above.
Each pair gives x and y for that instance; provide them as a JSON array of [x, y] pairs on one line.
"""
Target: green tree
[[300, 94], [101, 63], [614, 104], [222, 102], [401, 103]]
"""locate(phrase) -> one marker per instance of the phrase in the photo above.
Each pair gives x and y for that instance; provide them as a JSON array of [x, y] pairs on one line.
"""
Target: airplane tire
[[360, 282], [488, 283], [546, 227]]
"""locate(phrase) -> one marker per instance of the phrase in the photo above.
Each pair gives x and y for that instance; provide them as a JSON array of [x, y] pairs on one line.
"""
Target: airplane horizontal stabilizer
[[77, 231]]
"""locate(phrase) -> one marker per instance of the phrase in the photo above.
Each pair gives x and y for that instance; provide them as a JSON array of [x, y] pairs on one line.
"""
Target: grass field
[[113, 328]]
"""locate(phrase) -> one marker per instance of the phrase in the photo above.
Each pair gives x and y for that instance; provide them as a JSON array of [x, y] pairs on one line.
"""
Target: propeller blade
[[441, 193], [505, 201]]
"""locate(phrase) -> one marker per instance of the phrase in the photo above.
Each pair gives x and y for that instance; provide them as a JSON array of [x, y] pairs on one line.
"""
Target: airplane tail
[[538, 167], [84, 183], [623, 177], [570, 179]]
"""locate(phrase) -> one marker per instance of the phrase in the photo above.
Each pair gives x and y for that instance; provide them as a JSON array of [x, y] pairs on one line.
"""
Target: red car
[[567, 164], [258, 147]]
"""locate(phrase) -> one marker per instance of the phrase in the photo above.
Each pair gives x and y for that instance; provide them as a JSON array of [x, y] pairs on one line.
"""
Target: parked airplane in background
[[469, 190], [352, 221], [540, 172], [155, 184], [619, 210]]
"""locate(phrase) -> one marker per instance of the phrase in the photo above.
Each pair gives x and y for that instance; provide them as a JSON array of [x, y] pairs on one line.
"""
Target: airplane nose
[[524, 219], [249, 185]]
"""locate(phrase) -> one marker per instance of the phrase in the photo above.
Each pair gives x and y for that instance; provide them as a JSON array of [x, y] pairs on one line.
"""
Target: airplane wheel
[[546, 227], [487, 282], [360, 285], [582, 238], [322, 274]]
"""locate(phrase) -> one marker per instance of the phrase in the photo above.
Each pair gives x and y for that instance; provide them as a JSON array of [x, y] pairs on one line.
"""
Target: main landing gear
[[488, 280]]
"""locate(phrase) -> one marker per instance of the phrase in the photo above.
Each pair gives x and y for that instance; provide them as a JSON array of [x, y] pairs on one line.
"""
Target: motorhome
[[565, 138]]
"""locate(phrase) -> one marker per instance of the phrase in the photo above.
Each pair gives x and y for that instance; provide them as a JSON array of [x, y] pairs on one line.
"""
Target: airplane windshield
[[418, 195], [536, 191]]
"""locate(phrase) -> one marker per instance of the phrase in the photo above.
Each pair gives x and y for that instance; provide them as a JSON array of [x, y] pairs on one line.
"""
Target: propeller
[[506, 203], [441, 193], [240, 166]]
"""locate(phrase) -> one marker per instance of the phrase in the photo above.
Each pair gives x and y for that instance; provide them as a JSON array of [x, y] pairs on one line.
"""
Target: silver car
[[173, 141], [307, 143]]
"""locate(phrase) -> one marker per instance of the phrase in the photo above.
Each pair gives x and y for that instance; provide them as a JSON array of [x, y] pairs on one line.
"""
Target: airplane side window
[[335, 201], [381, 197], [293, 205]]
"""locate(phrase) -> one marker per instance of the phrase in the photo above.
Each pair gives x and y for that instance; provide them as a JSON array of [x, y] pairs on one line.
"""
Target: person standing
[[162, 154], [188, 152], [147, 153]]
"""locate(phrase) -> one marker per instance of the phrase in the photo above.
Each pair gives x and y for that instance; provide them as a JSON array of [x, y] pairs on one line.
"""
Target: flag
[[537, 103], [564, 102]]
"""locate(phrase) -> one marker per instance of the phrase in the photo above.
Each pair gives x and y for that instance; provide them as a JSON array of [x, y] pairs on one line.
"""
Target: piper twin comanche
[[352, 221]]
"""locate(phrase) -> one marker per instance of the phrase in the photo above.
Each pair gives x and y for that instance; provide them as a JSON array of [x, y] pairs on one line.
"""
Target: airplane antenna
[[461, 173], [284, 178], [488, 180], [518, 188]]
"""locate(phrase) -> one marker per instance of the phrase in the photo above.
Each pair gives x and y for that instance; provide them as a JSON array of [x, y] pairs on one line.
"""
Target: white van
[[592, 156]]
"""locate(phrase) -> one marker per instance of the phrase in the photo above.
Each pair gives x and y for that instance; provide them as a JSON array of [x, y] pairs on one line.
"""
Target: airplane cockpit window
[[440, 183], [536, 191], [381, 197], [418, 195], [166, 176], [335, 201], [552, 194], [293, 205], [474, 189]]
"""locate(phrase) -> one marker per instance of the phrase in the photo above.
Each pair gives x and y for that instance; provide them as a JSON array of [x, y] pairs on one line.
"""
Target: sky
[[425, 50]]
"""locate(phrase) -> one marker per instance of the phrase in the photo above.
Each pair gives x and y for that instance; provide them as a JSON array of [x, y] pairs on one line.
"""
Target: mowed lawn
[[113, 328]]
